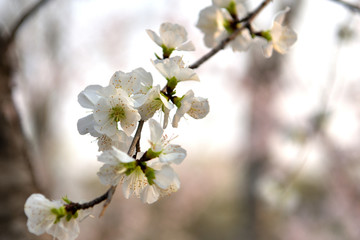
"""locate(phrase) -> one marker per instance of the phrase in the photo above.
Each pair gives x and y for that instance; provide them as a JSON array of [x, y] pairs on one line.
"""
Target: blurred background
[[276, 158]]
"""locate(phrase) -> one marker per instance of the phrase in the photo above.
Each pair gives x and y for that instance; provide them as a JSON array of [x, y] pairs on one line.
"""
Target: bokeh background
[[276, 158]]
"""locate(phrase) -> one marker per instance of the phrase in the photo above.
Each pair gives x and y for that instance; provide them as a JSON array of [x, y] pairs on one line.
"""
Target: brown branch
[[248, 19], [350, 6], [107, 197], [30, 12]]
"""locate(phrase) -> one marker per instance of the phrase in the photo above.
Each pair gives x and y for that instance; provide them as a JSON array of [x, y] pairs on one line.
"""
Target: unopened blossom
[[281, 37], [216, 23], [195, 107], [45, 216], [164, 183], [174, 71], [161, 147], [172, 37], [116, 165]]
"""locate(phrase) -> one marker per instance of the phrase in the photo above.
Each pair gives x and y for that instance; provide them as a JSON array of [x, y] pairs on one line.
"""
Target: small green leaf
[[172, 82], [157, 56], [65, 199], [150, 175], [266, 35], [232, 8], [167, 51], [150, 154]]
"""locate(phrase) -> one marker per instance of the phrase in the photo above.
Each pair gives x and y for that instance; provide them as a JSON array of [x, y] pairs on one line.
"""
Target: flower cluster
[[131, 99], [223, 17]]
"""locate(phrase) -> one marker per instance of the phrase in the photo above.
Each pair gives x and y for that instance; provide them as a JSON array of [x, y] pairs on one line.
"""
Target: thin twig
[[136, 138], [248, 19], [350, 6]]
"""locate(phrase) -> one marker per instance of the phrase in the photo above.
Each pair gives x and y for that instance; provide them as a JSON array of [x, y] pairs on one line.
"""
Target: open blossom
[[172, 37], [116, 163], [132, 82], [165, 182], [45, 216], [113, 111], [215, 23], [139, 179], [196, 107], [173, 68], [282, 37], [161, 147], [120, 140], [113, 106], [151, 102]]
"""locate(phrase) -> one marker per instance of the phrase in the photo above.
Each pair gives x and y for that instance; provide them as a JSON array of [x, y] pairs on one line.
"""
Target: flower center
[[117, 114]]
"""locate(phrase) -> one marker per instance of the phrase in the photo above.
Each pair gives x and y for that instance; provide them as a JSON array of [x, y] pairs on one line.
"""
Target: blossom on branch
[[280, 37], [161, 147], [147, 181], [195, 107], [174, 70], [45, 216], [153, 101], [172, 37], [165, 182], [217, 24]]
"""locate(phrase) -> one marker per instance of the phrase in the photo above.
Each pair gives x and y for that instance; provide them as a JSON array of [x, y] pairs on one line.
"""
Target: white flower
[[116, 163], [132, 82], [215, 23], [120, 140], [196, 107], [42, 217], [113, 110], [172, 37], [161, 147], [134, 183], [282, 37], [165, 182], [174, 68], [88, 99], [152, 102]]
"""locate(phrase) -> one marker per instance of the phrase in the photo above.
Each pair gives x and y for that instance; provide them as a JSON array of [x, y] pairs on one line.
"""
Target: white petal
[[164, 177], [166, 103], [189, 46], [156, 131], [199, 108], [187, 74], [268, 49], [280, 16], [109, 175], [121, 156], [86, 125], [150, 194], [154, 37], [173, 154], [90, 96]]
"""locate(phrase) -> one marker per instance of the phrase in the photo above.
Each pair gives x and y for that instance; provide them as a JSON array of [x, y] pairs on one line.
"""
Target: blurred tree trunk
[[16, 178], [261, 85]]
